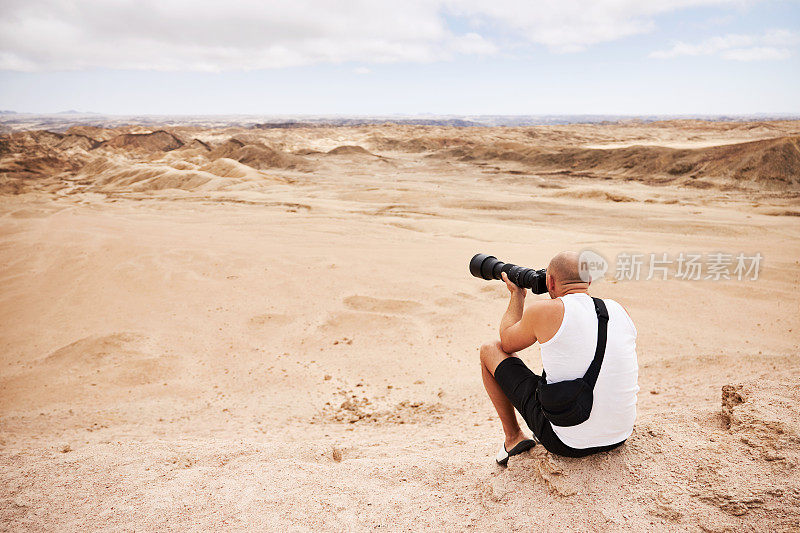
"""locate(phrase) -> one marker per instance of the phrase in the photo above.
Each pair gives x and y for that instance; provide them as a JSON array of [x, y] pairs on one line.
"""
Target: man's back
[[567, 356]]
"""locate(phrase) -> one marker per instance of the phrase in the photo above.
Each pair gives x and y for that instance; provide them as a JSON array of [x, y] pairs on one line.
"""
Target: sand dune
[[275, 327], [257, 155], [772, 163], [229, 168], [197, 144], [157, 141], [350, 150]]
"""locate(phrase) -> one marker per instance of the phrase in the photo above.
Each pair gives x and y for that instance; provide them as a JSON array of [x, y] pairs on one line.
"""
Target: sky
[[377, 57]]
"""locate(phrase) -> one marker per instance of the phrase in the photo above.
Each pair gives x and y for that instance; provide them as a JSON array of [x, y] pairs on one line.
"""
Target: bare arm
[[514, 312], [516, 328]]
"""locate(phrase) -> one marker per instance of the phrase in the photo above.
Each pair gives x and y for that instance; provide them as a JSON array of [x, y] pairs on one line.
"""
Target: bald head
[[564, 267], [564, 274]]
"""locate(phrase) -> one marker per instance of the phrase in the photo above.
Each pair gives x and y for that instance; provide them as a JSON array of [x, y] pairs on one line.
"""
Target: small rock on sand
[[337, 454]]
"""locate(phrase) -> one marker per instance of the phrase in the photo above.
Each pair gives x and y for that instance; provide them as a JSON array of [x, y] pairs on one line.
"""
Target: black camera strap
[[590, 377], [602, 335]]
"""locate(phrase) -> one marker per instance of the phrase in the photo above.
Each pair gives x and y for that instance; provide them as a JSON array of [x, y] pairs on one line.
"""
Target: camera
[[489, 267]]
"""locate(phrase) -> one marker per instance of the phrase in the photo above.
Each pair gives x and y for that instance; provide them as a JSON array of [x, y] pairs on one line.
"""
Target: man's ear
[[551, 284]]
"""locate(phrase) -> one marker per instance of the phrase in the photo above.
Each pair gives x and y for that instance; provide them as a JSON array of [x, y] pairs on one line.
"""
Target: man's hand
[[513, 288]]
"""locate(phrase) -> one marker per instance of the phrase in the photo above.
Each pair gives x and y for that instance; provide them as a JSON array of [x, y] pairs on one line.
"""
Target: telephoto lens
[[489, 267]]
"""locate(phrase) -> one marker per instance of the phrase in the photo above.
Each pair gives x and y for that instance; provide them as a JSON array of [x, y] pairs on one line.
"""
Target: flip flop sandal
[[522, 446]]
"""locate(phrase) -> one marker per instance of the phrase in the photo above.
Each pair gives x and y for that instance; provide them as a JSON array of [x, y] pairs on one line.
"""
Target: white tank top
[[568, 355]]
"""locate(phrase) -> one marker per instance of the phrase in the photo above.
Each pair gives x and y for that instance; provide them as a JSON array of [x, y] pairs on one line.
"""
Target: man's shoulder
[[546, 305], [546, 309], [618, 305]]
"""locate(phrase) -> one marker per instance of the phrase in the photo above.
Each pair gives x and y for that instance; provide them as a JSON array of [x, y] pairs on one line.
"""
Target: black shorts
[[519, 385]]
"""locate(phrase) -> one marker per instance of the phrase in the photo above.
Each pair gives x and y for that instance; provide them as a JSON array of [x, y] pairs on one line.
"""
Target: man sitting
[[566, 328]]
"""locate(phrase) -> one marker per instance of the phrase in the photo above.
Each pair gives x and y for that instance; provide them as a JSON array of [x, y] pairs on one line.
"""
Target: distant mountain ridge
[[188, 157], [62, 121]]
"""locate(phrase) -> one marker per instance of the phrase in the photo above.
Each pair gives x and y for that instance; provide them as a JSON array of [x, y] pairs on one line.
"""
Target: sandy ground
[[298, 349]]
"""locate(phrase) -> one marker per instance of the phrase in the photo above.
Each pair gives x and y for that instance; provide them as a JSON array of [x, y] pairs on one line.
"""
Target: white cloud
[[771, 45], [572, 26], [209, 35], [472, 43], [757, 53], [361, 70], [781, 38]]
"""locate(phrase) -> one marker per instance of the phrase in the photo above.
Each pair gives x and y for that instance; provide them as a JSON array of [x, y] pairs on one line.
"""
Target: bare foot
[[515, 439]]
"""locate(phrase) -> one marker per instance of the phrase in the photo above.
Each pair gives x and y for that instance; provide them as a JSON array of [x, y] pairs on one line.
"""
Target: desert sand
[[275, 328]]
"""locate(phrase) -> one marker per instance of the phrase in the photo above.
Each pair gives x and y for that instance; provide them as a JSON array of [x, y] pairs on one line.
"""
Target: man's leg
[[491, 356]]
